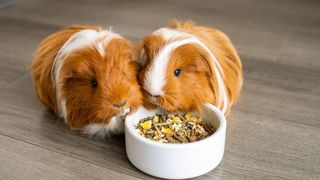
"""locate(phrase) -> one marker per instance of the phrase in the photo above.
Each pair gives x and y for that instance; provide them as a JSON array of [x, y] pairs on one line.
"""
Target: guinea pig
[[186, 66], [88, 77]]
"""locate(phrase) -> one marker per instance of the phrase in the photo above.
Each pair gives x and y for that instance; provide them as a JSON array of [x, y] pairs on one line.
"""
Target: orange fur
[[194, 87], [43, 61], [115, 73]]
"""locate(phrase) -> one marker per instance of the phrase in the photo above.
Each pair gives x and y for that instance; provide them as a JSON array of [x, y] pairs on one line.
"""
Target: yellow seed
[[166, 130], [176, 119], [146, 125], [156, 119], [188, 116]]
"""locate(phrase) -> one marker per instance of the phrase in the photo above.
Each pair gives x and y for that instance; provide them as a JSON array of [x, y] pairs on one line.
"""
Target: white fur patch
[[78, 40], [168, 34], [115, 126], [155, 78]]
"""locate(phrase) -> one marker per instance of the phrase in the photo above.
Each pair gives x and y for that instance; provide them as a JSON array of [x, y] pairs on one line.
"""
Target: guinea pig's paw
[[114, 126]]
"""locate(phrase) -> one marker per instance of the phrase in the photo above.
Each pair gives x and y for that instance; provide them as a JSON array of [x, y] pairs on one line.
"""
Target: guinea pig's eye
[[177, 72], [94, 83]]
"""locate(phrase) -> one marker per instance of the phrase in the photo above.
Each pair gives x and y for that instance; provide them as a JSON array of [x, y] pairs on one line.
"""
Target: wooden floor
[[272, 133]]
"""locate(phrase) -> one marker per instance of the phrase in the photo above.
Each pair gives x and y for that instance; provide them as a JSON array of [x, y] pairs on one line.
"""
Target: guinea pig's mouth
[[156, 102], [123, 112], [153, 101]]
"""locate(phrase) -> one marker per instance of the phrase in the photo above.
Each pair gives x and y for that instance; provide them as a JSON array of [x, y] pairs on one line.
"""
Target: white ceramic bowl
[[176, 161]]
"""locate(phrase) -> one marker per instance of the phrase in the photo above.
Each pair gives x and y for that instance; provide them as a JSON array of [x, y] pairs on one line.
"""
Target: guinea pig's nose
[[120, 104], [155, 96]]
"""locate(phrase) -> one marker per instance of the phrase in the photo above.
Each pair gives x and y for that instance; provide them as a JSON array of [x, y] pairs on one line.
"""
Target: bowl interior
[[209, 113]]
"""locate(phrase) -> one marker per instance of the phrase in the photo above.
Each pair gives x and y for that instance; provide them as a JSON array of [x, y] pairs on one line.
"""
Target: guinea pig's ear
[[138, 54], [207, 66], [134, 57]]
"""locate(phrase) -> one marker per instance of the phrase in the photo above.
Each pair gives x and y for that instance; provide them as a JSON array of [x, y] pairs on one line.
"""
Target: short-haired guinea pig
[[186, 66], [87, 75]]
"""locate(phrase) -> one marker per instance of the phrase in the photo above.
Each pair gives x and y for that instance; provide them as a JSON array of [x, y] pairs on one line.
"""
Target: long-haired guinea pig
[[186, 66], [88, 77]]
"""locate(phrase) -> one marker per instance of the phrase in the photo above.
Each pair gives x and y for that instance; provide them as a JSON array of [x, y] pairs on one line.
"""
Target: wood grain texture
[[273, 132]]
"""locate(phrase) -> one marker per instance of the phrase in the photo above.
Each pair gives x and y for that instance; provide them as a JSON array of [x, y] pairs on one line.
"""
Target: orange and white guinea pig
[[88, 77], [186, 66]]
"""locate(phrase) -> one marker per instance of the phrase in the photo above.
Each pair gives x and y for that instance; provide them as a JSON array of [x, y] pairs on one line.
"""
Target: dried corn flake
[[156, 119], [188, 116], [166, 130], [146, 125], [176, 119]]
